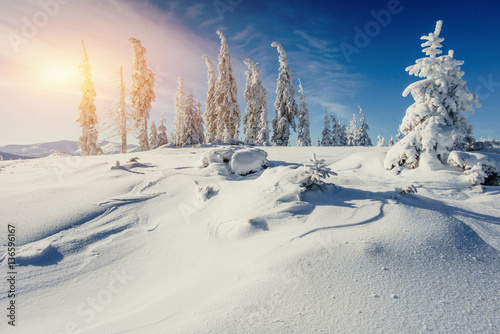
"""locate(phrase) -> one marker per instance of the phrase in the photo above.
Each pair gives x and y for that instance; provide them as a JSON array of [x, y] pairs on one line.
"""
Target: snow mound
[[38, 254], [236, 160], [252, 160]]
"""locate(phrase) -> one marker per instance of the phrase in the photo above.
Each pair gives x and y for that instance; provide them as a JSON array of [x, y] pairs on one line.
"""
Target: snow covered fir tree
[[142, 92], [436, 123], [210, 112], [285, 105], [337, 133], [255, 121], [162, 132], [251, 119], [364, 139], [227, 108], [117, 117], [304, 136], [188, 121], [87, 118], [326, 135]]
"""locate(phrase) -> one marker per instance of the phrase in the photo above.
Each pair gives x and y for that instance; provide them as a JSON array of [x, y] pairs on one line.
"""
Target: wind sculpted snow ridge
[[179, 247]]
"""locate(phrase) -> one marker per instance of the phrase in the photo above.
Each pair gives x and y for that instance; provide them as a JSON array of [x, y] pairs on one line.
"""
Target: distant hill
[[8, 156], [45, 149]]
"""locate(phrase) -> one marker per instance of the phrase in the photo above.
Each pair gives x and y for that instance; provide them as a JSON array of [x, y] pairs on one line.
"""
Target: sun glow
[[59, 74]]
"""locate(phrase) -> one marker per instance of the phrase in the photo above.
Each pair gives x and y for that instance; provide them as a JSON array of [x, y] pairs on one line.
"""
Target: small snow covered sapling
[[409, 189], [316, 171], [206, 193]]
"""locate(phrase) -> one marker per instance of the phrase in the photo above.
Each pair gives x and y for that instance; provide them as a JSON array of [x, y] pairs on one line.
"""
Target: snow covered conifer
[[353, 133], [285, 105], [381, 141], [154, 140], [304, 137], [344, 135], [337, 139], [364, 139], [327, 136], [391, 142], [162, 132], [117, 118], [142, 92], [251, 119], [199, 123], [436, 123], [227, 108], [210, 115], [180, 113], [87, 118]]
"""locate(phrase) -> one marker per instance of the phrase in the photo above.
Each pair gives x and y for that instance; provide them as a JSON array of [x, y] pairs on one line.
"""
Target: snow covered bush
[[237, 160], [205, 193], [480, 168], [436, 123], [247, 161], [409, 189], [315, 172]]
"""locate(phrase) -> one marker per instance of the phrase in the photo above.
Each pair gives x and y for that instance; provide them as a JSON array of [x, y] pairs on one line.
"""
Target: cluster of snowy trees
[[188, 122], [432, 128], [118, 118], [222, 116], [337, 134]]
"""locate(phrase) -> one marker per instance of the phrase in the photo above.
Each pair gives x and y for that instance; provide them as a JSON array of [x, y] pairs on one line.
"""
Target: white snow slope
[[139, 249]]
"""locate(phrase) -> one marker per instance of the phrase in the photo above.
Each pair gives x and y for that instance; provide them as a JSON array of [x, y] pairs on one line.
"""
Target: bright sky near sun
[[346, 53]]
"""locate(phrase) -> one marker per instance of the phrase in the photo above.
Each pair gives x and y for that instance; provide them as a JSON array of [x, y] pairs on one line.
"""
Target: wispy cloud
[[194, 11]]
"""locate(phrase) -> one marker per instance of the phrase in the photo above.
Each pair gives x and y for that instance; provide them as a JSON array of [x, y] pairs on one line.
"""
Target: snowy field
[[138, 248]]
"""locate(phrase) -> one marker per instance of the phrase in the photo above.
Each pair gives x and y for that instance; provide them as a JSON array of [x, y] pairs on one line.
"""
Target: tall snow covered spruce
[[285, 105], [154, 139], [255, 120], [327, 136], [87, 118], [337, 135], [304, 137], [210, 115], [353, 132], [180, 113], [117, 118], [142, 93], [227, 108], [364, 139], [250, 120], [436, 123]]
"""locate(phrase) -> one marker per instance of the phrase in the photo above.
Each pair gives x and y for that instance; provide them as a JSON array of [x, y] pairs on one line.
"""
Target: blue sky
[[315, 35]]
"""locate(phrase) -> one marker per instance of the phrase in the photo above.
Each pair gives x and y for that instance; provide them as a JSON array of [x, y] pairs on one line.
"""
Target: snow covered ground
[[45, 149], [164, 245]]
